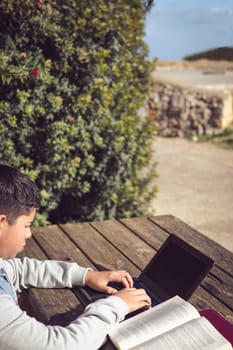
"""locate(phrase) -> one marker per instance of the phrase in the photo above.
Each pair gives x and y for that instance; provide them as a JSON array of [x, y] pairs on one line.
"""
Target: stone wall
[[181, 110]]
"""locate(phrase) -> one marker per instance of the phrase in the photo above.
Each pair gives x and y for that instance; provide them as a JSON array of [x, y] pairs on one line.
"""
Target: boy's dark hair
[[18, 194]]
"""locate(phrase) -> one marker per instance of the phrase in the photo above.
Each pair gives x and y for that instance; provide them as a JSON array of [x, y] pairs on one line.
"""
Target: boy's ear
[[3, 219]]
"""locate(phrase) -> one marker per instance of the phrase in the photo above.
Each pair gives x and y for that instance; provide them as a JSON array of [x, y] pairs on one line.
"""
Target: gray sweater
[[18, 331]]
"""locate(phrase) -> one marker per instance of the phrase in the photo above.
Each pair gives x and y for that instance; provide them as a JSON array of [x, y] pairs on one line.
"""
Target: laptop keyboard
[[137, 284]]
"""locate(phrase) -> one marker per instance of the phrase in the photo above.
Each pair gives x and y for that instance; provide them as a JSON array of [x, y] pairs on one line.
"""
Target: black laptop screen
[[177, 269]]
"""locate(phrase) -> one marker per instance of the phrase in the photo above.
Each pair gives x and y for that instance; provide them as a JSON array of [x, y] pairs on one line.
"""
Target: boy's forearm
[[86, 332], [25, 273]]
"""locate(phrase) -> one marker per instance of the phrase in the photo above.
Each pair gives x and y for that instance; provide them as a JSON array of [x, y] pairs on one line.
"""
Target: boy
[[19, 198]]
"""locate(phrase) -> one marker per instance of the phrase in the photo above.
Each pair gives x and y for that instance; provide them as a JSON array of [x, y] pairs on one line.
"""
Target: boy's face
[[13, 237]]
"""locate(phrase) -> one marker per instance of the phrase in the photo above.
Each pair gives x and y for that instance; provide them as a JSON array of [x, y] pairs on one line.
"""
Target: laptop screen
[[176, 269]]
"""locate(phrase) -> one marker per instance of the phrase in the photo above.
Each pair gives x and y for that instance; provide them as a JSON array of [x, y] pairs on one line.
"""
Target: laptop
[[176, 269]]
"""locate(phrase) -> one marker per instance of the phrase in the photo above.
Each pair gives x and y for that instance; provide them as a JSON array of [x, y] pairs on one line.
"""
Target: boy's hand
[[99, 280], [134, 298]]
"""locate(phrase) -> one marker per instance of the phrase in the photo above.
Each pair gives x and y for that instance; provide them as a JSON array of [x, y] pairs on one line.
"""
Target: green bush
[[73, 76]]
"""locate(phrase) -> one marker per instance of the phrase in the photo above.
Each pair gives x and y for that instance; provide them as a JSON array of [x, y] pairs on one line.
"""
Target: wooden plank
[[146, 230], [51, 306], [58, 246], [202, 300], [55, 306], [220, 255], [99, 250], [219, 284], [129, 244]]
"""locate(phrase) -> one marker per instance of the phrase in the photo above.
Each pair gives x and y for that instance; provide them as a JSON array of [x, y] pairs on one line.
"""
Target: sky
[[176, 28]]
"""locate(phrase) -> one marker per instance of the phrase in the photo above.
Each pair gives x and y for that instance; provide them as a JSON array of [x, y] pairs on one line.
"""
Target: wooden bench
[[122, 244]]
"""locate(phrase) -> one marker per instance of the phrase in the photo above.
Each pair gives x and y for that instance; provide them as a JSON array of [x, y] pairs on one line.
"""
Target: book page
[[153, 322], [197, 334]]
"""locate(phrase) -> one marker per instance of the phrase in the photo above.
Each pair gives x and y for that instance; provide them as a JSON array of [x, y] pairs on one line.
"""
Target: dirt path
[[196, 184]]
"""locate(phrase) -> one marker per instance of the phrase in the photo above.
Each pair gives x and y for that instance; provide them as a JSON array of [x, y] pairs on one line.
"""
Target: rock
[[181, 110]]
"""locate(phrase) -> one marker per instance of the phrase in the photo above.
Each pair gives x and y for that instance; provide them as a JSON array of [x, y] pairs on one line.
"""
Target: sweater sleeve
[[25, 273], [88, 331]]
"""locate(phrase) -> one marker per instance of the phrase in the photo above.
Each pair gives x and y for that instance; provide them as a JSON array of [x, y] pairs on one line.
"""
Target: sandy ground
[[195, 182], [199, 64], [204, 74]]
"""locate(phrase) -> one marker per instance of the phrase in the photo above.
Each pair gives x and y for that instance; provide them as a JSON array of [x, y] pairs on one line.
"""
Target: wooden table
[[122, 244]]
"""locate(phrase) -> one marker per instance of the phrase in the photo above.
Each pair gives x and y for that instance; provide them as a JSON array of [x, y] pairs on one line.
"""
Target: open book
[[172, 325]]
